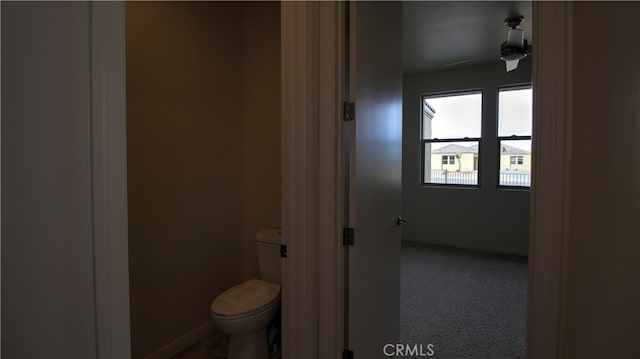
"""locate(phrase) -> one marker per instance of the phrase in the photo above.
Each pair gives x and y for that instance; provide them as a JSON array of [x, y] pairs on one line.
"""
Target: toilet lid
[[245, 298]]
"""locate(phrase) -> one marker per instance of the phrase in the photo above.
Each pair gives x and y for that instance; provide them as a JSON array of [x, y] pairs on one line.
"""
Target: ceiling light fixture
[[515, 48]]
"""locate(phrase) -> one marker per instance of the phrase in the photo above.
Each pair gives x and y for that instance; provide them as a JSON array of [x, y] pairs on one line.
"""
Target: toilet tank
[[268, 242]]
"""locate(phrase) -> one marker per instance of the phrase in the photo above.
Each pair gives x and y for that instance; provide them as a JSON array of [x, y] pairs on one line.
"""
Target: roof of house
[[454, 148], [510, 150]]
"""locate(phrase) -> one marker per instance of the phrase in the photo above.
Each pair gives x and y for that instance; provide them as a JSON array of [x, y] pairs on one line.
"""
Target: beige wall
[[260, 81], [603, 293], [505, 163], [463, 163], [204, 156]]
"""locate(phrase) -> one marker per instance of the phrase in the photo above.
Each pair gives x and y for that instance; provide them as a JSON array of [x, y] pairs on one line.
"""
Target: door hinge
[[349, 111], [348, 236], [347, 354], [283, 251]]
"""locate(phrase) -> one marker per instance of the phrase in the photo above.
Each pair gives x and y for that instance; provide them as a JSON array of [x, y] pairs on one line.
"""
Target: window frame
[[516, 159], [450, 160], [424, 141], [524, 86]]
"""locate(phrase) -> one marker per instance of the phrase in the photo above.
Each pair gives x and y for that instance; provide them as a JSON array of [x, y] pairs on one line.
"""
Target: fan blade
[[515, 38], [512, 64]]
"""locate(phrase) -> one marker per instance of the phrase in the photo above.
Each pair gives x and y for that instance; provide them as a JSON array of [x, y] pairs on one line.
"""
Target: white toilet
[[244, 311]]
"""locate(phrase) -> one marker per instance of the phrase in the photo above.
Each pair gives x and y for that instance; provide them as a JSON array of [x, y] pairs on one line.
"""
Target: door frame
[[312, 172], [551, 178], [312, 189], [548, 241], [107, 117]]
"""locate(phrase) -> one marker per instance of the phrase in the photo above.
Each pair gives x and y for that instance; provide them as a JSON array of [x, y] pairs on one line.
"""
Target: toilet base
[[252, 346]]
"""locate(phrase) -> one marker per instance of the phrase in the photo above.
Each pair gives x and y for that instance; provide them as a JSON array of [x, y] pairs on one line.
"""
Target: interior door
[[375, 73]]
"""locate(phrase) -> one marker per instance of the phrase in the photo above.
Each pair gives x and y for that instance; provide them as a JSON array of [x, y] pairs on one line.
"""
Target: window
[[448, 160], [451, 126], [515, 109], [516, 160]]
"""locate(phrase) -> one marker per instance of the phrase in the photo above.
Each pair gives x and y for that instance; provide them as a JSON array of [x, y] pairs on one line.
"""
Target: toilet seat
[[245, 299]]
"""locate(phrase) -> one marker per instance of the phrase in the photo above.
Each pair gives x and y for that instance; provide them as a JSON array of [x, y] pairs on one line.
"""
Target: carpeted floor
[[467, 304]]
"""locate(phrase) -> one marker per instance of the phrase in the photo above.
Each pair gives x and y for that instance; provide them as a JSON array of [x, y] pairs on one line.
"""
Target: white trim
[[299, 269], [185, 341], [311, 179], [109, 179], [550, 189]]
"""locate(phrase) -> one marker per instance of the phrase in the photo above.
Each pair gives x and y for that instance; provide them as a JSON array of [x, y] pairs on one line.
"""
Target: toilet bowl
[[244, 312]]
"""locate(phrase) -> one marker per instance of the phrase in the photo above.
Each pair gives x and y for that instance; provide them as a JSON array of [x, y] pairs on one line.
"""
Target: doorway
[[550, 214], [461, 235], [203, 156]]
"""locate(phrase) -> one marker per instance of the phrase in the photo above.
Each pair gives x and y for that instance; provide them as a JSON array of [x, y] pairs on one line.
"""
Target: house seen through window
[[515, 113], [451, 126], [451, 136]]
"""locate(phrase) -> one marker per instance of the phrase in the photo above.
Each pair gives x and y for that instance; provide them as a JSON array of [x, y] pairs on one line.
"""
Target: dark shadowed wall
[[603, 292], [48, 307]]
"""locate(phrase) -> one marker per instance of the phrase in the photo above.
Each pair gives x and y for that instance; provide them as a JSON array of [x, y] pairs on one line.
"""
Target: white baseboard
[[182, 343]]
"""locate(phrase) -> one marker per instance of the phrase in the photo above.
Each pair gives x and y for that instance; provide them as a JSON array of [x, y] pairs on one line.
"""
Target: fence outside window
[[507, 178]]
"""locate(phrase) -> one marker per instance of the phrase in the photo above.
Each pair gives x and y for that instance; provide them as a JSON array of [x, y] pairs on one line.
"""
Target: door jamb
[[109, 178], [551, 186], [312, 213]]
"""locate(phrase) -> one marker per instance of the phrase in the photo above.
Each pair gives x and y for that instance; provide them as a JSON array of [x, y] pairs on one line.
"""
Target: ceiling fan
[[515, 48], [511, 51]]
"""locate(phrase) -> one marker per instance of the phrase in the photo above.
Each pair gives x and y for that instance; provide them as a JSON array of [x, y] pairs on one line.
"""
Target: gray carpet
[[467, 304]]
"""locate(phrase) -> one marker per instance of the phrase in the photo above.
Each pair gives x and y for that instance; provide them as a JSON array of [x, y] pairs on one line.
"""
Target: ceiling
[[457, 34]]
